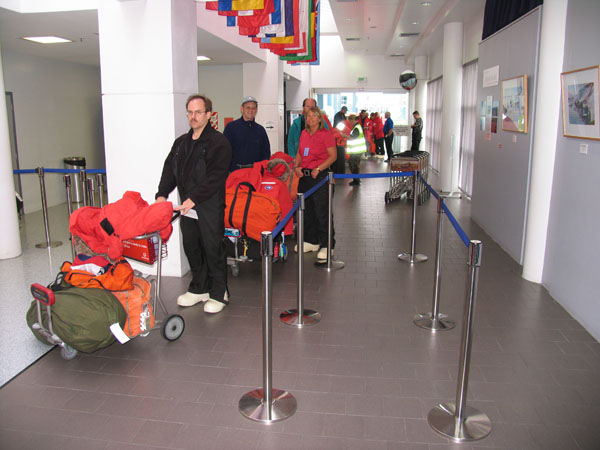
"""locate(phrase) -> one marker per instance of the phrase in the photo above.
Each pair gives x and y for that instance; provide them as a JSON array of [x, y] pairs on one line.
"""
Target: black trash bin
[[78, 163]]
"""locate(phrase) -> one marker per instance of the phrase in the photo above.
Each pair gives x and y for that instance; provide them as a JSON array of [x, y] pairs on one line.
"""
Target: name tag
[[306, 151]]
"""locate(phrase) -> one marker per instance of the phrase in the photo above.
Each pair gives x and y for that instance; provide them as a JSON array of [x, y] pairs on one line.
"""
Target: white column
[[547, 110], [9, 220], [422, 72], [451, 103], [265, 82], [149, 67]]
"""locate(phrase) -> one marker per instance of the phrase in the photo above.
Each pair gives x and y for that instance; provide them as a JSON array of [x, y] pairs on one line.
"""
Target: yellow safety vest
[[357, 145]]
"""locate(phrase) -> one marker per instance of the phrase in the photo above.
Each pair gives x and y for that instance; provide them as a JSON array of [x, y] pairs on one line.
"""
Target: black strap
[[247, 208]]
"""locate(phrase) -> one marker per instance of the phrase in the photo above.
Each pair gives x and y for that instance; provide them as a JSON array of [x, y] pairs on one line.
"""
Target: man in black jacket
[[198, 165]]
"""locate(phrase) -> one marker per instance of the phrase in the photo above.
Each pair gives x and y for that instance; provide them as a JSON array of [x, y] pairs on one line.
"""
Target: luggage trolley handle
[[46, 296]]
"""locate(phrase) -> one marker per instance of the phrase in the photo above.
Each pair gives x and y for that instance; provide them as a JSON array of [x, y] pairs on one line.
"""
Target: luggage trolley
[[400, 185], [149, 248]]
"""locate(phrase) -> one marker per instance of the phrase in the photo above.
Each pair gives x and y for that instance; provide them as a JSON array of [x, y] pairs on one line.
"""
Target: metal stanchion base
[[252, 406], [426, 321], [335, 264], [291, 317], [52, 244], [474, 426], [417, 259]]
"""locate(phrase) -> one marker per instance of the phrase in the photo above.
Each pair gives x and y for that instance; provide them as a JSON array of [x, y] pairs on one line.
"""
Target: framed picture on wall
[[580, 106], [514, 104]]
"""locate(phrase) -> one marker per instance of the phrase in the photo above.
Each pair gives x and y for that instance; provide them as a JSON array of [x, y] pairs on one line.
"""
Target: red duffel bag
[[249, 211]]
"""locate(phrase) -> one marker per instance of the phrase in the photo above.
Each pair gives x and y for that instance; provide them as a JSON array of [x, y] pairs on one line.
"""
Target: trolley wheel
[[173, 327], [67, 352], [386, 197], [235, 270]]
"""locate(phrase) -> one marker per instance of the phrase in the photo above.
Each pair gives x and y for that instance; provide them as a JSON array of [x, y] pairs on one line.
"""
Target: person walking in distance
[[417, 129]]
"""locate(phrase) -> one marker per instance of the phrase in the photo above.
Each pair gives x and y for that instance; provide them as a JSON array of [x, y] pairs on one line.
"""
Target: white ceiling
[[376, 23]]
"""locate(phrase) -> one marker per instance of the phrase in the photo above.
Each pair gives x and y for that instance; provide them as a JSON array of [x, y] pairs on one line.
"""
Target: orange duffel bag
[[249, 211], [138, 306]]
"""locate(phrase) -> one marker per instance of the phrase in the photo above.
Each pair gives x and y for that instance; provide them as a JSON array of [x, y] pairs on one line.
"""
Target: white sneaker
[[213, 306], [190, 299], [323, 253], [308, 247]]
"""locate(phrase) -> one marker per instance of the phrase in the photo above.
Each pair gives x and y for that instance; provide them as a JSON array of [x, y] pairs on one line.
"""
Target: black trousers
[[379, 146], [389, 142], [339, 166], [205, 250], [316, 213], [416, 140]]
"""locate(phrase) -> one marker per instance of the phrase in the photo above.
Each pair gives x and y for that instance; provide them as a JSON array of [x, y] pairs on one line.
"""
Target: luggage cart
[[171, 326], [236, 238], [400, 185]]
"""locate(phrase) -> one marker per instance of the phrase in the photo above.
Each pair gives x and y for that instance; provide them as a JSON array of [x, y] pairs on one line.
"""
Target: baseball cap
[[249, 99]]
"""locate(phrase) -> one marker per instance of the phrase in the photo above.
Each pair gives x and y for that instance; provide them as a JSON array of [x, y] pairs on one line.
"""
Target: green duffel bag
[[81, 318]]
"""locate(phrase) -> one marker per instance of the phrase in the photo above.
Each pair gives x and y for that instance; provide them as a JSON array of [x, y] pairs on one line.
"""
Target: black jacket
[[197, 168]]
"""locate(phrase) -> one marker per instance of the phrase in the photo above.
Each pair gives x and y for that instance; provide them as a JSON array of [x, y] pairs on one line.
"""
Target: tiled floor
[[364, 378]]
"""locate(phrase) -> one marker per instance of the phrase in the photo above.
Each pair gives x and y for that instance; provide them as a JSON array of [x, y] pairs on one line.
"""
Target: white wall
[[472, 37], [223, 85], [58, 113], [573, 243]]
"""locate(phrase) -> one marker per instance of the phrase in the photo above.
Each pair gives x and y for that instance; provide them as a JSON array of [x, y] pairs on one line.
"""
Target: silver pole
[[159, 271], [435, 321], [82, 177], [48, 243], [90, 189], [267, 405], [67, 180], [100, 184], [412, 257], [308, 316], [458, 421], [330, 264]]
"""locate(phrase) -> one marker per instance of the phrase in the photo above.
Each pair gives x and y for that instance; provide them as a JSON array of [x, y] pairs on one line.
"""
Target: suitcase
[[249, 211]]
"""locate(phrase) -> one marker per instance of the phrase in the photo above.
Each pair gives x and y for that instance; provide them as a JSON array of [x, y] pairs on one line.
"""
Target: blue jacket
[[249, 143], [389, 123]]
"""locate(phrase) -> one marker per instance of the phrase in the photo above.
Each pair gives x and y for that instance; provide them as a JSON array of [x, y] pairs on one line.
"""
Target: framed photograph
[[580, 103], [514, 104]]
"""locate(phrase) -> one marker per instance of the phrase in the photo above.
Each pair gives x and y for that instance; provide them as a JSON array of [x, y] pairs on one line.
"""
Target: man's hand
[[185, 206], [160, 199]]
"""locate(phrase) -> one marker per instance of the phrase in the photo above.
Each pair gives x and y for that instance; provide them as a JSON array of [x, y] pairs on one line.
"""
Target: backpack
[[138, 306], [250, 212]]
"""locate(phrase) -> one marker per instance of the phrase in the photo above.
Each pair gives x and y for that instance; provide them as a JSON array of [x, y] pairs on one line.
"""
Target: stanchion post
[[67, 180], [308, 316], [48, 243], [267, 404], [413, 257], [82, 178], [458, 421], [435, 321], [330, 264], [90, 189], [100, 184]]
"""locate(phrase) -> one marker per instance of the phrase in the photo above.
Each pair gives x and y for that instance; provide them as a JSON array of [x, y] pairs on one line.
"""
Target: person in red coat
[[378, 134]]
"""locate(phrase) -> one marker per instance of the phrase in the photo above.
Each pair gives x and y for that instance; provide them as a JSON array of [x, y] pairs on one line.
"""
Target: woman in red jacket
[[316, 152]]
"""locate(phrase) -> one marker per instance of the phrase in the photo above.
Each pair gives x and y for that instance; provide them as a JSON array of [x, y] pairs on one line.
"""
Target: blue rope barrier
[[21, 171], [285, 220], [432, 190], [463, 236], [373, 175]]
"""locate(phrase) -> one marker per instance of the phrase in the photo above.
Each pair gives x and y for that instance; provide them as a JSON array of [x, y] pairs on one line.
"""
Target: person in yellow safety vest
[[356, 147]]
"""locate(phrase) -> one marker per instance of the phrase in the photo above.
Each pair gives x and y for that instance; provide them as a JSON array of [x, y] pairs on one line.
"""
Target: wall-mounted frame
[[514, 104], [580, 106]]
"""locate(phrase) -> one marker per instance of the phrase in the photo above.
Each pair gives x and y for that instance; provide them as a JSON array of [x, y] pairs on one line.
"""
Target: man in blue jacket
[[248, 139]]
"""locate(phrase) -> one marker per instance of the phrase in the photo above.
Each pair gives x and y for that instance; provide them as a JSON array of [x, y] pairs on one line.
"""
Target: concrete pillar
[[265, 82], [9, 220], [547, 111], [451, 104], [148, 66]]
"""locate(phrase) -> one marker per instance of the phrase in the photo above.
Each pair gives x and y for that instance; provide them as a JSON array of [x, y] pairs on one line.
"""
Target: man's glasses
[[194, 113]]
